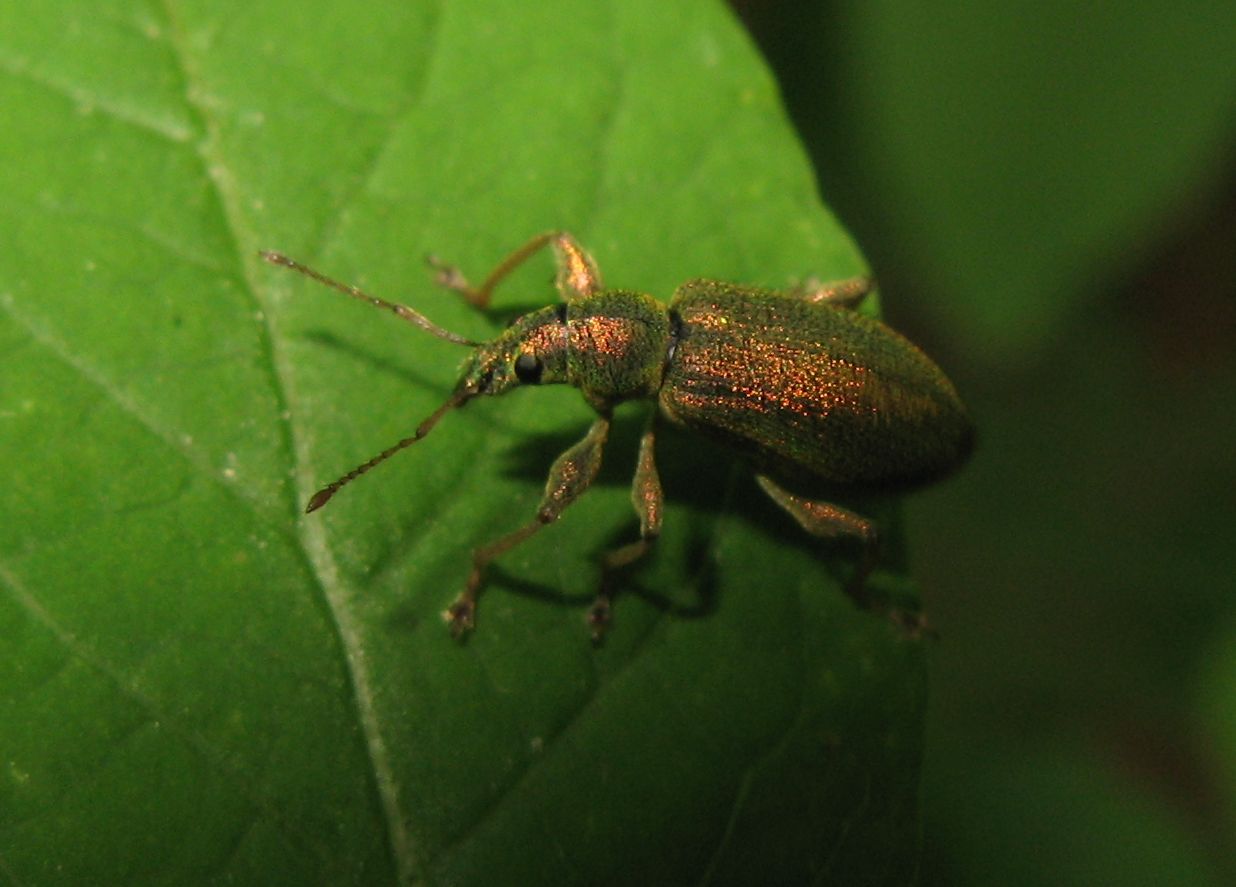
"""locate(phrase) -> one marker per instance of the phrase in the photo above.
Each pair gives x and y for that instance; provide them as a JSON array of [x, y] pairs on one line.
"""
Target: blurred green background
[[1048, 195]]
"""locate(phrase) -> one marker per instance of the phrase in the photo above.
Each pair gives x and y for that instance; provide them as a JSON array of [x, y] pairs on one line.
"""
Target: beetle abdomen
[[810, 392]]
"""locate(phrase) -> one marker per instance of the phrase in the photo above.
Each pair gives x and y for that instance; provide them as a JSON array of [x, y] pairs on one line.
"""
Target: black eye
[[528, 368]]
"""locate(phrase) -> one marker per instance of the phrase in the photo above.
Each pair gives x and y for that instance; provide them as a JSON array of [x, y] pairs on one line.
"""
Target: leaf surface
[[197, 682]]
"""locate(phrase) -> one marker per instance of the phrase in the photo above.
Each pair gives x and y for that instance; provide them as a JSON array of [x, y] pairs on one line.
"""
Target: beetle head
[[531, 351]]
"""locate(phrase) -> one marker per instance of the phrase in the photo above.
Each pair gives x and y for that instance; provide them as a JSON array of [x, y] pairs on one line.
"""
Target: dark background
[[1048, 196]]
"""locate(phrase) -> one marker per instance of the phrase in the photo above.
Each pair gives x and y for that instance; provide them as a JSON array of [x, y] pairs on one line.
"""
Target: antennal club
[[408, 314]]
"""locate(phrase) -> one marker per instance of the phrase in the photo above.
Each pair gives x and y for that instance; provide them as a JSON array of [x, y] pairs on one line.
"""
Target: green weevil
[[822, 401]]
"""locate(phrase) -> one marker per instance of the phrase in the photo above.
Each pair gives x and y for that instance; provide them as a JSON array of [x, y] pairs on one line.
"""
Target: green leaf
[[200, 684]]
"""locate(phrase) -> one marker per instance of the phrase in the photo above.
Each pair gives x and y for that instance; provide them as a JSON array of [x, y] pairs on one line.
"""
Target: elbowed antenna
[[408, 314], [461, 396], [322, 496]]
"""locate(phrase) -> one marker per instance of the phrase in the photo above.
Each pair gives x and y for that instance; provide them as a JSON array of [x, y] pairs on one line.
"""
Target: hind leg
[[828, 521]]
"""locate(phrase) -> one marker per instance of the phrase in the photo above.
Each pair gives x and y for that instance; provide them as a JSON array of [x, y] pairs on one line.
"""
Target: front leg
[[577, 272], [571, 474]]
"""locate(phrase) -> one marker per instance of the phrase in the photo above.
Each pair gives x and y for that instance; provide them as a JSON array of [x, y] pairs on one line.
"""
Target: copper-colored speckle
[[607, 336]]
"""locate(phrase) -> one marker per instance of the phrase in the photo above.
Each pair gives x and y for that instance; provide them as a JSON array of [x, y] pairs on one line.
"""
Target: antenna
[[408, 314], [461, 396], [322, 496]]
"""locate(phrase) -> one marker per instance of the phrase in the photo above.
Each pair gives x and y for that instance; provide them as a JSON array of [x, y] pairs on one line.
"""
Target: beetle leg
[[647, 498], [577, 273], [826, 520], [569, 477], [847, 293]]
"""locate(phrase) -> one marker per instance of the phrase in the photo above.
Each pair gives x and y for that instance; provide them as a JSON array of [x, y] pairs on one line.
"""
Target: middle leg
[[647, 498]]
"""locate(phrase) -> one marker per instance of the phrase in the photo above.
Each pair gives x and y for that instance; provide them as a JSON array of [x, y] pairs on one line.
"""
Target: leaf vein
[[313, 538], [83, 99], [129, 405], [91, 658]]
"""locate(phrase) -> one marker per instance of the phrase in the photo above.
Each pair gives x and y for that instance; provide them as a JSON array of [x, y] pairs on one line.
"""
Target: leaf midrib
[[312, 537]]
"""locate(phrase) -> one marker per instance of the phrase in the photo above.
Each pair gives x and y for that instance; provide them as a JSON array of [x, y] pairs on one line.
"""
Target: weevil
[[821, 400]]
